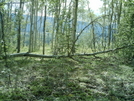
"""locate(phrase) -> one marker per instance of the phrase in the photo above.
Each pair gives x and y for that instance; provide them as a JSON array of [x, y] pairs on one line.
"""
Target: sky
[[95, 5]]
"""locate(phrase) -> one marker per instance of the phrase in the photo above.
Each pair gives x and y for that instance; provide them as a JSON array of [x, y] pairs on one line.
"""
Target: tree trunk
[[57, 16], [31, 28], [44, 30], [35, 25], [19, 28], [74, 25], [110, 24], [25, 32]]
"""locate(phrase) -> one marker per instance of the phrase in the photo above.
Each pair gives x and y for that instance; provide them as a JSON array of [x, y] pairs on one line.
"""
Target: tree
[[44, 30], [74, 24], [2, 36], [19, 27], [31, 27]]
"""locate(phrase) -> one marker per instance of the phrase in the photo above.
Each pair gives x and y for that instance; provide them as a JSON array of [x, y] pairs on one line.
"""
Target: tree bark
[[74, 25], [44, 30], [19, 28], [31, 27]]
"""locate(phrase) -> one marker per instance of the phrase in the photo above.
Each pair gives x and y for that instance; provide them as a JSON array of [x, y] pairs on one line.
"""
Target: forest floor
[[101, 78]]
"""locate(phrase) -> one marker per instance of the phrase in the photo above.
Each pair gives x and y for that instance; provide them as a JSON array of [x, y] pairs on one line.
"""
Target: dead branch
[[111, 50]]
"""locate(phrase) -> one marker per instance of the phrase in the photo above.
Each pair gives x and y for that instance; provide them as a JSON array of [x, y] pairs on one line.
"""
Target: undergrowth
[[102, 78]]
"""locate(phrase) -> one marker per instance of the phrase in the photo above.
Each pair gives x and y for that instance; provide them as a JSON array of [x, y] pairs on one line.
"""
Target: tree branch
[[85, 28]]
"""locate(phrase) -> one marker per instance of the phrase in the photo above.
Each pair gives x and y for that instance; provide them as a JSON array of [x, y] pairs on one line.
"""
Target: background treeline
[[65, 27]]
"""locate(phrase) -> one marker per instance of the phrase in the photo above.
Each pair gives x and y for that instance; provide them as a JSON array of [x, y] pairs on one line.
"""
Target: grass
[[103, 78]]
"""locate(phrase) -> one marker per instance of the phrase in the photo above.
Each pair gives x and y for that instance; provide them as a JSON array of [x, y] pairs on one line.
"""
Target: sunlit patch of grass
[[39, 50], [24, 49]]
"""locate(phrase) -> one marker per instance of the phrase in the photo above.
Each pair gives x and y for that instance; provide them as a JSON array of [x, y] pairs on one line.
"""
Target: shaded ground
[[78, 79]]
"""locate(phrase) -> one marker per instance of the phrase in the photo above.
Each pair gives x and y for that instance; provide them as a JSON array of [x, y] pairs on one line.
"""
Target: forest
[[62, 50]]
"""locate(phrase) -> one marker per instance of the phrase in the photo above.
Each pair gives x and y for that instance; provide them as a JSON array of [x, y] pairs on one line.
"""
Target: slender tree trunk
[[57, 16], [25, 32], [68, 30], [40, 33], [3, 41], [19, 29], [119, 12], [75, 9], [110, 25], [44, 30], [31, 28], [103, 31], [35, 25], [53, 31]]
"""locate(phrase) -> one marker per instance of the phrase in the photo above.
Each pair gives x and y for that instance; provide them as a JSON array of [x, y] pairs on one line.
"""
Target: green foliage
[[2, 5], [50, 83], [79, 79], [126, 31], [50, 88]]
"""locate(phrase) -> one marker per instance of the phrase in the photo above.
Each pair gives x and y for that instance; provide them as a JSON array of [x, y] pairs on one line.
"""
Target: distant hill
[[80, 25], [50, 20]]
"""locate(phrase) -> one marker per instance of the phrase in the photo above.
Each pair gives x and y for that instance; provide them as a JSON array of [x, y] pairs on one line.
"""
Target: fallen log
[[111, 50], [36, 55], [63, 56]]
